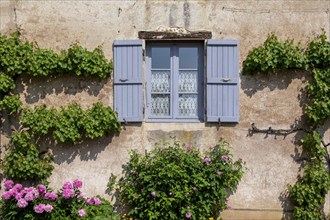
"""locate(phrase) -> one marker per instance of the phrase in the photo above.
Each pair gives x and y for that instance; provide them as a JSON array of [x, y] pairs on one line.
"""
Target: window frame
[[174, 79]]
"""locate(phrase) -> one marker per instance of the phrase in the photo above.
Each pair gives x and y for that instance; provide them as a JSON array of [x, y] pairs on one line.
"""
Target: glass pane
[[160, 81], [160, 105], [161, 58], [188, 58], [188, 81], [188, 105]]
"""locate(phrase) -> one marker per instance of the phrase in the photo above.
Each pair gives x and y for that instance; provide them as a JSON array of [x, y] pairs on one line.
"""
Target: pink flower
[[97, 201], [188, 148], [219, 172], [224, 157], [188, 215], [51, 196], [39, 208], [77, 183], [89, 201], [67, 193], [22, 203], [42, 189], [194, 188], [228, 207], [48, 208], [81, 212], [17, 187], [170, 193], [28, 196], [207, 160], [8, 184], [153, 194], [67, 185], [6, 195]]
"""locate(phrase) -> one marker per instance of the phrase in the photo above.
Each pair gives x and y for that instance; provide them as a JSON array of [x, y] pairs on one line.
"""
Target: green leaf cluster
[[273, 55], [318, 52], [6, 83], [173, 180], [17, 57], [308, 195], [11, 103], [71, 123], [23, 161]]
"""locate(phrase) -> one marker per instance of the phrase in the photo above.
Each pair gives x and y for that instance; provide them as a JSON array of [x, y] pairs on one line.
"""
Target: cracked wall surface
[[275, 100]]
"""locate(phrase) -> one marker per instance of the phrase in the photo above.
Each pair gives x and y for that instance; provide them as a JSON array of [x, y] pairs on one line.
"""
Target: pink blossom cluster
[[22, 196]]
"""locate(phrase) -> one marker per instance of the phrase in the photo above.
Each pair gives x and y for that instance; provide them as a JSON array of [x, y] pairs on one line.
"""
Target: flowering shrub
[[40, 202], [177, 182]]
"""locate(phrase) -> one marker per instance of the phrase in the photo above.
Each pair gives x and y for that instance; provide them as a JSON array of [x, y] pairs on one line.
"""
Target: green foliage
[[86, 63], [13, 54], [99, 120], [71, 123], [22, 161], [318, 52], [17, 57], [40, 120], [172, 181], [312, 145], [308, 195], [273, 55], [42, 62], [318, 110], [67, 124], [6, 83], [11, 103]]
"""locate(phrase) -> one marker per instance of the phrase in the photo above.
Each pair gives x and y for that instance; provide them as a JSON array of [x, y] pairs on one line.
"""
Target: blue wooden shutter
[[128, 80], [222, 81]]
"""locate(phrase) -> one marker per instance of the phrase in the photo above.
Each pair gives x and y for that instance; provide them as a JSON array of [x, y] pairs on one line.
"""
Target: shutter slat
[[128, 80], [222, 81]]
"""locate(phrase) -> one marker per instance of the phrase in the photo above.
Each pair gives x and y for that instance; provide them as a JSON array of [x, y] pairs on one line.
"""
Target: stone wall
[[275, 101]]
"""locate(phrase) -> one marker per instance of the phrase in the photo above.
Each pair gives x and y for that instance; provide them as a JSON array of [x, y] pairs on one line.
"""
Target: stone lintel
[[164, 35]]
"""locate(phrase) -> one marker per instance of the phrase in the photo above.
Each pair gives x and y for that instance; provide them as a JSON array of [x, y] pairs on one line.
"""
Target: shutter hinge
[[143, 110], [144, 54]]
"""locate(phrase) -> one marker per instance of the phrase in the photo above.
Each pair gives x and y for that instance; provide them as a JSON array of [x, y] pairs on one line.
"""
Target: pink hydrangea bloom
[[67, 185], [8, 184], [19, 195], [188, 148], [81, 212], [77, 183], [207, 160], [219, 172], [188, 215], [39, 208], [67, 193], [42, 189], [29, 196], [6, 195], [17, 187], [48, 208], [22, 203], [51, 196]]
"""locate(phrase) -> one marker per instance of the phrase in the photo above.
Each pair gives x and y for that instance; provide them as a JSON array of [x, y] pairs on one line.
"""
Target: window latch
[[226, 80], [123, 80]]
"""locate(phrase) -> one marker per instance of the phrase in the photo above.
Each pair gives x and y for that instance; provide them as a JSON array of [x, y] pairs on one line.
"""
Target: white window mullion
[[175, 82]]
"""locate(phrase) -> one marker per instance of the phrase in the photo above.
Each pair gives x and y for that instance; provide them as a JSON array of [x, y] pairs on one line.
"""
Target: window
[[174, 81]]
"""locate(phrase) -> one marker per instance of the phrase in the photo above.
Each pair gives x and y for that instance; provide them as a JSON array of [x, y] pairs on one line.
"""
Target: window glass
[[161, 58], [188, 57]]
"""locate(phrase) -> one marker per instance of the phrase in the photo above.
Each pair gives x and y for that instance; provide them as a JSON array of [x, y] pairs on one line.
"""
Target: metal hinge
[[144, 54]]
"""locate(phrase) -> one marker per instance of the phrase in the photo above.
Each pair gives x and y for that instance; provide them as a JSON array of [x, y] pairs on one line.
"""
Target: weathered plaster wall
[[266, 101]]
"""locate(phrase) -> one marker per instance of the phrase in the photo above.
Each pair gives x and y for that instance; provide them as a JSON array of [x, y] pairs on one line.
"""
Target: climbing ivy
[[273, 55], [23, 160], [71, 123], [308, 194], [11, 103]]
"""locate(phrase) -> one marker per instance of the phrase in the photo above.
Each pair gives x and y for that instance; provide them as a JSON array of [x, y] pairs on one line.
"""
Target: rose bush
[[177, 182]]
